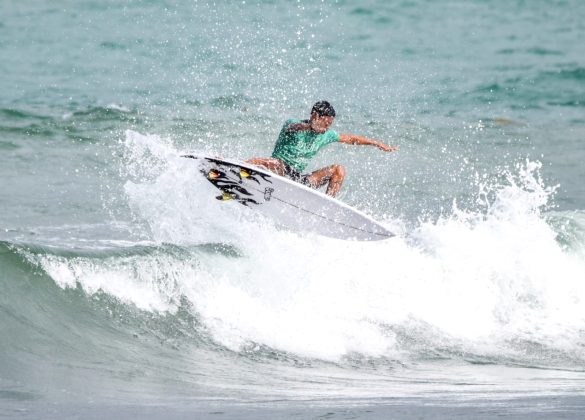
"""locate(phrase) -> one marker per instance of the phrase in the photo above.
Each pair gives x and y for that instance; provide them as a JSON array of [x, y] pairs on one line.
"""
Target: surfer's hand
[[387, 148]]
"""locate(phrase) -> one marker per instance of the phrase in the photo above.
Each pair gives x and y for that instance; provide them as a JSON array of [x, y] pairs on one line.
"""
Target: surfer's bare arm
[[364, 141]]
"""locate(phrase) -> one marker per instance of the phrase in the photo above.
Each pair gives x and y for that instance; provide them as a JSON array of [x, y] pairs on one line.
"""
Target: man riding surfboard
[[300, 140]]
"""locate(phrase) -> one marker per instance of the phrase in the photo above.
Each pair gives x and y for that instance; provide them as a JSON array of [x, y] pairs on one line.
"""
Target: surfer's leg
[[334, 175], [272, 164]]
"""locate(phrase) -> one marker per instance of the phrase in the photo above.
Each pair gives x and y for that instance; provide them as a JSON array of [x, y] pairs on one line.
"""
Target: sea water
[[128, 291]]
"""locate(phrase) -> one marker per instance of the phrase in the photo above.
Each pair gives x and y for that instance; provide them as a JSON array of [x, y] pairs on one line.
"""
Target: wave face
[[215, 290]]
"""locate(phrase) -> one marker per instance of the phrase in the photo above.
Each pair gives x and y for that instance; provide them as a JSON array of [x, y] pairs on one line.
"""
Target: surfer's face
[[320, 124]]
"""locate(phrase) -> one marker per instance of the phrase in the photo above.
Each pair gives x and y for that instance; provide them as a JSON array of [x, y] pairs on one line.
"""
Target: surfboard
[[288, 203]]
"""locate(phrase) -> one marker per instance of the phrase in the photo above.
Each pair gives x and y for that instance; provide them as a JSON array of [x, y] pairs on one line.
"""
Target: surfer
[[300, 140]]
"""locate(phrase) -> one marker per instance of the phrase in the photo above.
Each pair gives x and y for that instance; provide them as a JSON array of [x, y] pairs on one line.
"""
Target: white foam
[[476, 280], [118, 107]]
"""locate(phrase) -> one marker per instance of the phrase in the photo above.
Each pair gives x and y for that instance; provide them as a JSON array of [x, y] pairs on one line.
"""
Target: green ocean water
[[123, 287]]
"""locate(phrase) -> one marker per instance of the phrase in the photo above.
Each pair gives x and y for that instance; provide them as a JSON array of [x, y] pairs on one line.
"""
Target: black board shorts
[[292, 173]]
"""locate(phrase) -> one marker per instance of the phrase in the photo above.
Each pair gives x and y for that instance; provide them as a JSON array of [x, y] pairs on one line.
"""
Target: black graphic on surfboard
[[231, 190]]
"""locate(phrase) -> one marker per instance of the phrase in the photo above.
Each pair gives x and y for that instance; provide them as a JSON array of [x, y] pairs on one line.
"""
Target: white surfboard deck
[[289, 203]]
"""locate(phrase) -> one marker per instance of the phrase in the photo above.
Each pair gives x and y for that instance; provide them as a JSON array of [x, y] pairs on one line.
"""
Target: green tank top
[[298, 147]]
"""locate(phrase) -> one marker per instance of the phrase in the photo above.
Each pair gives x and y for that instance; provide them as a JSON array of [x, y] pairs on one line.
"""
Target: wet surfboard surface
[[289, 203]]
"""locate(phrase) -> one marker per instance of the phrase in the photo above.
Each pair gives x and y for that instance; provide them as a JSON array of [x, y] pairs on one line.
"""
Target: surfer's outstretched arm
[[364, 141]]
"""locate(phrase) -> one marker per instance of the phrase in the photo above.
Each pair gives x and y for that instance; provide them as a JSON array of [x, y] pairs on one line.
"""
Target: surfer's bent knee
[[339, 171]]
